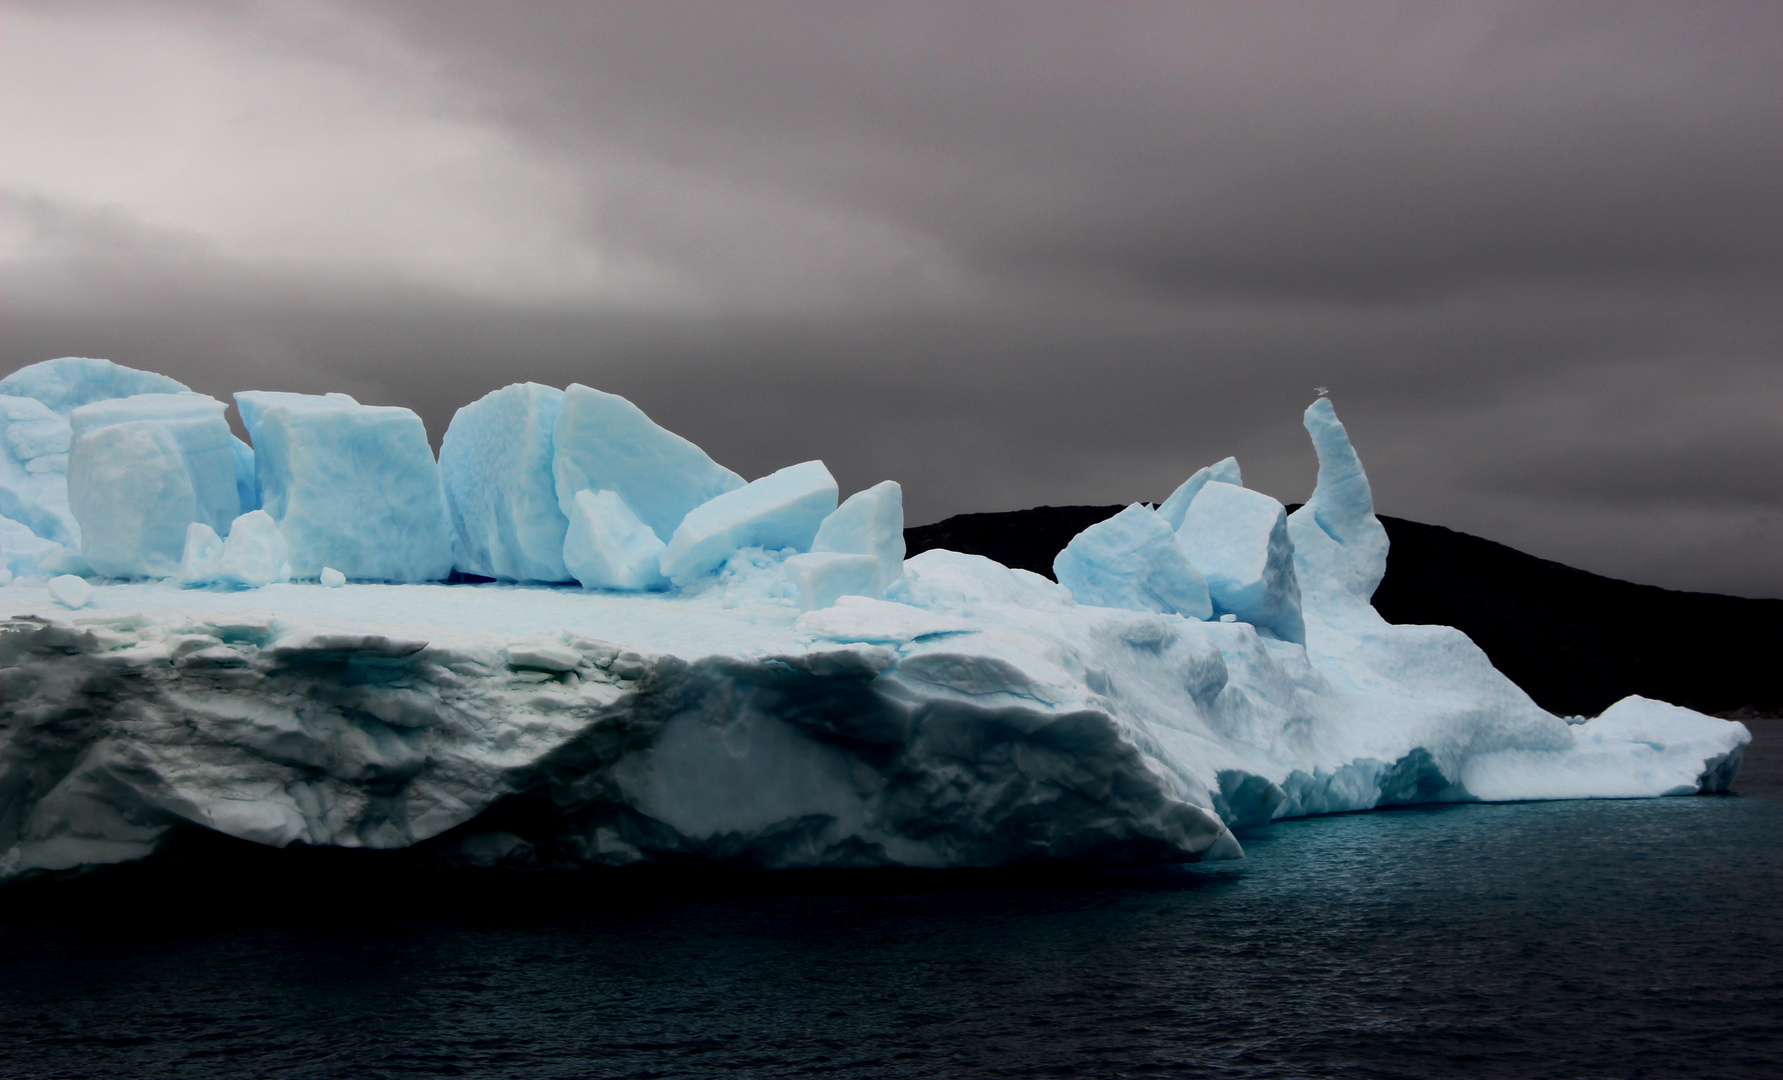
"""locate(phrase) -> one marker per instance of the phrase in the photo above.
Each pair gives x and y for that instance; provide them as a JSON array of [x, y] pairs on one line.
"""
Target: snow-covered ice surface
[[975, 715]]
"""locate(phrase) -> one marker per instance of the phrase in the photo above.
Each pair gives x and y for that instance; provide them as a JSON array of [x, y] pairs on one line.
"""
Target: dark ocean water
[[1567, 940]]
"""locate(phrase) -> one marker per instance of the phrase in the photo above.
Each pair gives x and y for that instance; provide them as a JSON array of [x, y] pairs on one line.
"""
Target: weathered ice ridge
[[753, 676]]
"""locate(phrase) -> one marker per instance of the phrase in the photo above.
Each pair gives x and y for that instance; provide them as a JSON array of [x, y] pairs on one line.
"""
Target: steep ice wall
[[794, 750]]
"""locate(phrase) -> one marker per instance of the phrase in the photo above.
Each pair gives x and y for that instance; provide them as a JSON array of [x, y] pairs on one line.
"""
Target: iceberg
[[496, 461], [143, 468], [350, 486], [602, 442], [781, 510], [783, 706]]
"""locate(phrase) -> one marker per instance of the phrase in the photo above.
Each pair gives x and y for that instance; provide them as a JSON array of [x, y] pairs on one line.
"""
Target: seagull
[[1322, 391]]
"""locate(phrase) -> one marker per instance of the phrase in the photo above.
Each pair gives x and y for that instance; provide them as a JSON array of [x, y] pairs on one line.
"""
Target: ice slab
[[822, 578], [783, 509], [869, 522], [67, 383], [143, 468], [602, 442], [609, 547], [350, 486], [34, 469], [1224, 471], [1238, 539], [496, 461], [1132, 561]]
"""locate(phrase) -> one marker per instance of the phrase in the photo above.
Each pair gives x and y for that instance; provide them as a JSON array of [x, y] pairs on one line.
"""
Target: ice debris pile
[[751, 672]]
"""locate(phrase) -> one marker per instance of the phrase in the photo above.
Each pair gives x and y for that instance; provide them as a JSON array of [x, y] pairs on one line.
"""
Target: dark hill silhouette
[[1574, 641]]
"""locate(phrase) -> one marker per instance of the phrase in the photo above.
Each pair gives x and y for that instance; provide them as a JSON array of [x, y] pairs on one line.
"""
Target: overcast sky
[[1007, 254]]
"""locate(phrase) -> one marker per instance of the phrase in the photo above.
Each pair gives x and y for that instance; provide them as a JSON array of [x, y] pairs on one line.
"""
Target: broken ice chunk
[[609, 547], [255, 553], [198, 564], [350, 486], [141, 469], [1132, 560], [70, 591], [1238, 538], [602, 442], [783, 509], [496, 462], [869, 522]]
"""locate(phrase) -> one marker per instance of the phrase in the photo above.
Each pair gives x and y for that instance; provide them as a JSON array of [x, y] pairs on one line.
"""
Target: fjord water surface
[[1583, 939]]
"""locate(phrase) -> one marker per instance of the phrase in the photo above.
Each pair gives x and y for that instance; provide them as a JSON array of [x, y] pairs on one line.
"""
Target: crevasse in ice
[[790, 701]]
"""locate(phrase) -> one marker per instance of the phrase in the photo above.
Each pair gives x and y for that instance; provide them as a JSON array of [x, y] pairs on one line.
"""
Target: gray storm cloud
[[1006, 254]]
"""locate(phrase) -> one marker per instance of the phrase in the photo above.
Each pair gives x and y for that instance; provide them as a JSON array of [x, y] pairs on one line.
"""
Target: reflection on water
[[1607, 939]]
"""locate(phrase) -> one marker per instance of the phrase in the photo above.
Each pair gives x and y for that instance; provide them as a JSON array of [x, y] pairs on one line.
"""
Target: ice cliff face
[[923, 747], [816, 701]]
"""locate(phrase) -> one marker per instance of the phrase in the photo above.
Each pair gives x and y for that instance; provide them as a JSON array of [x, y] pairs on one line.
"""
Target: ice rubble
[[802, 696]]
